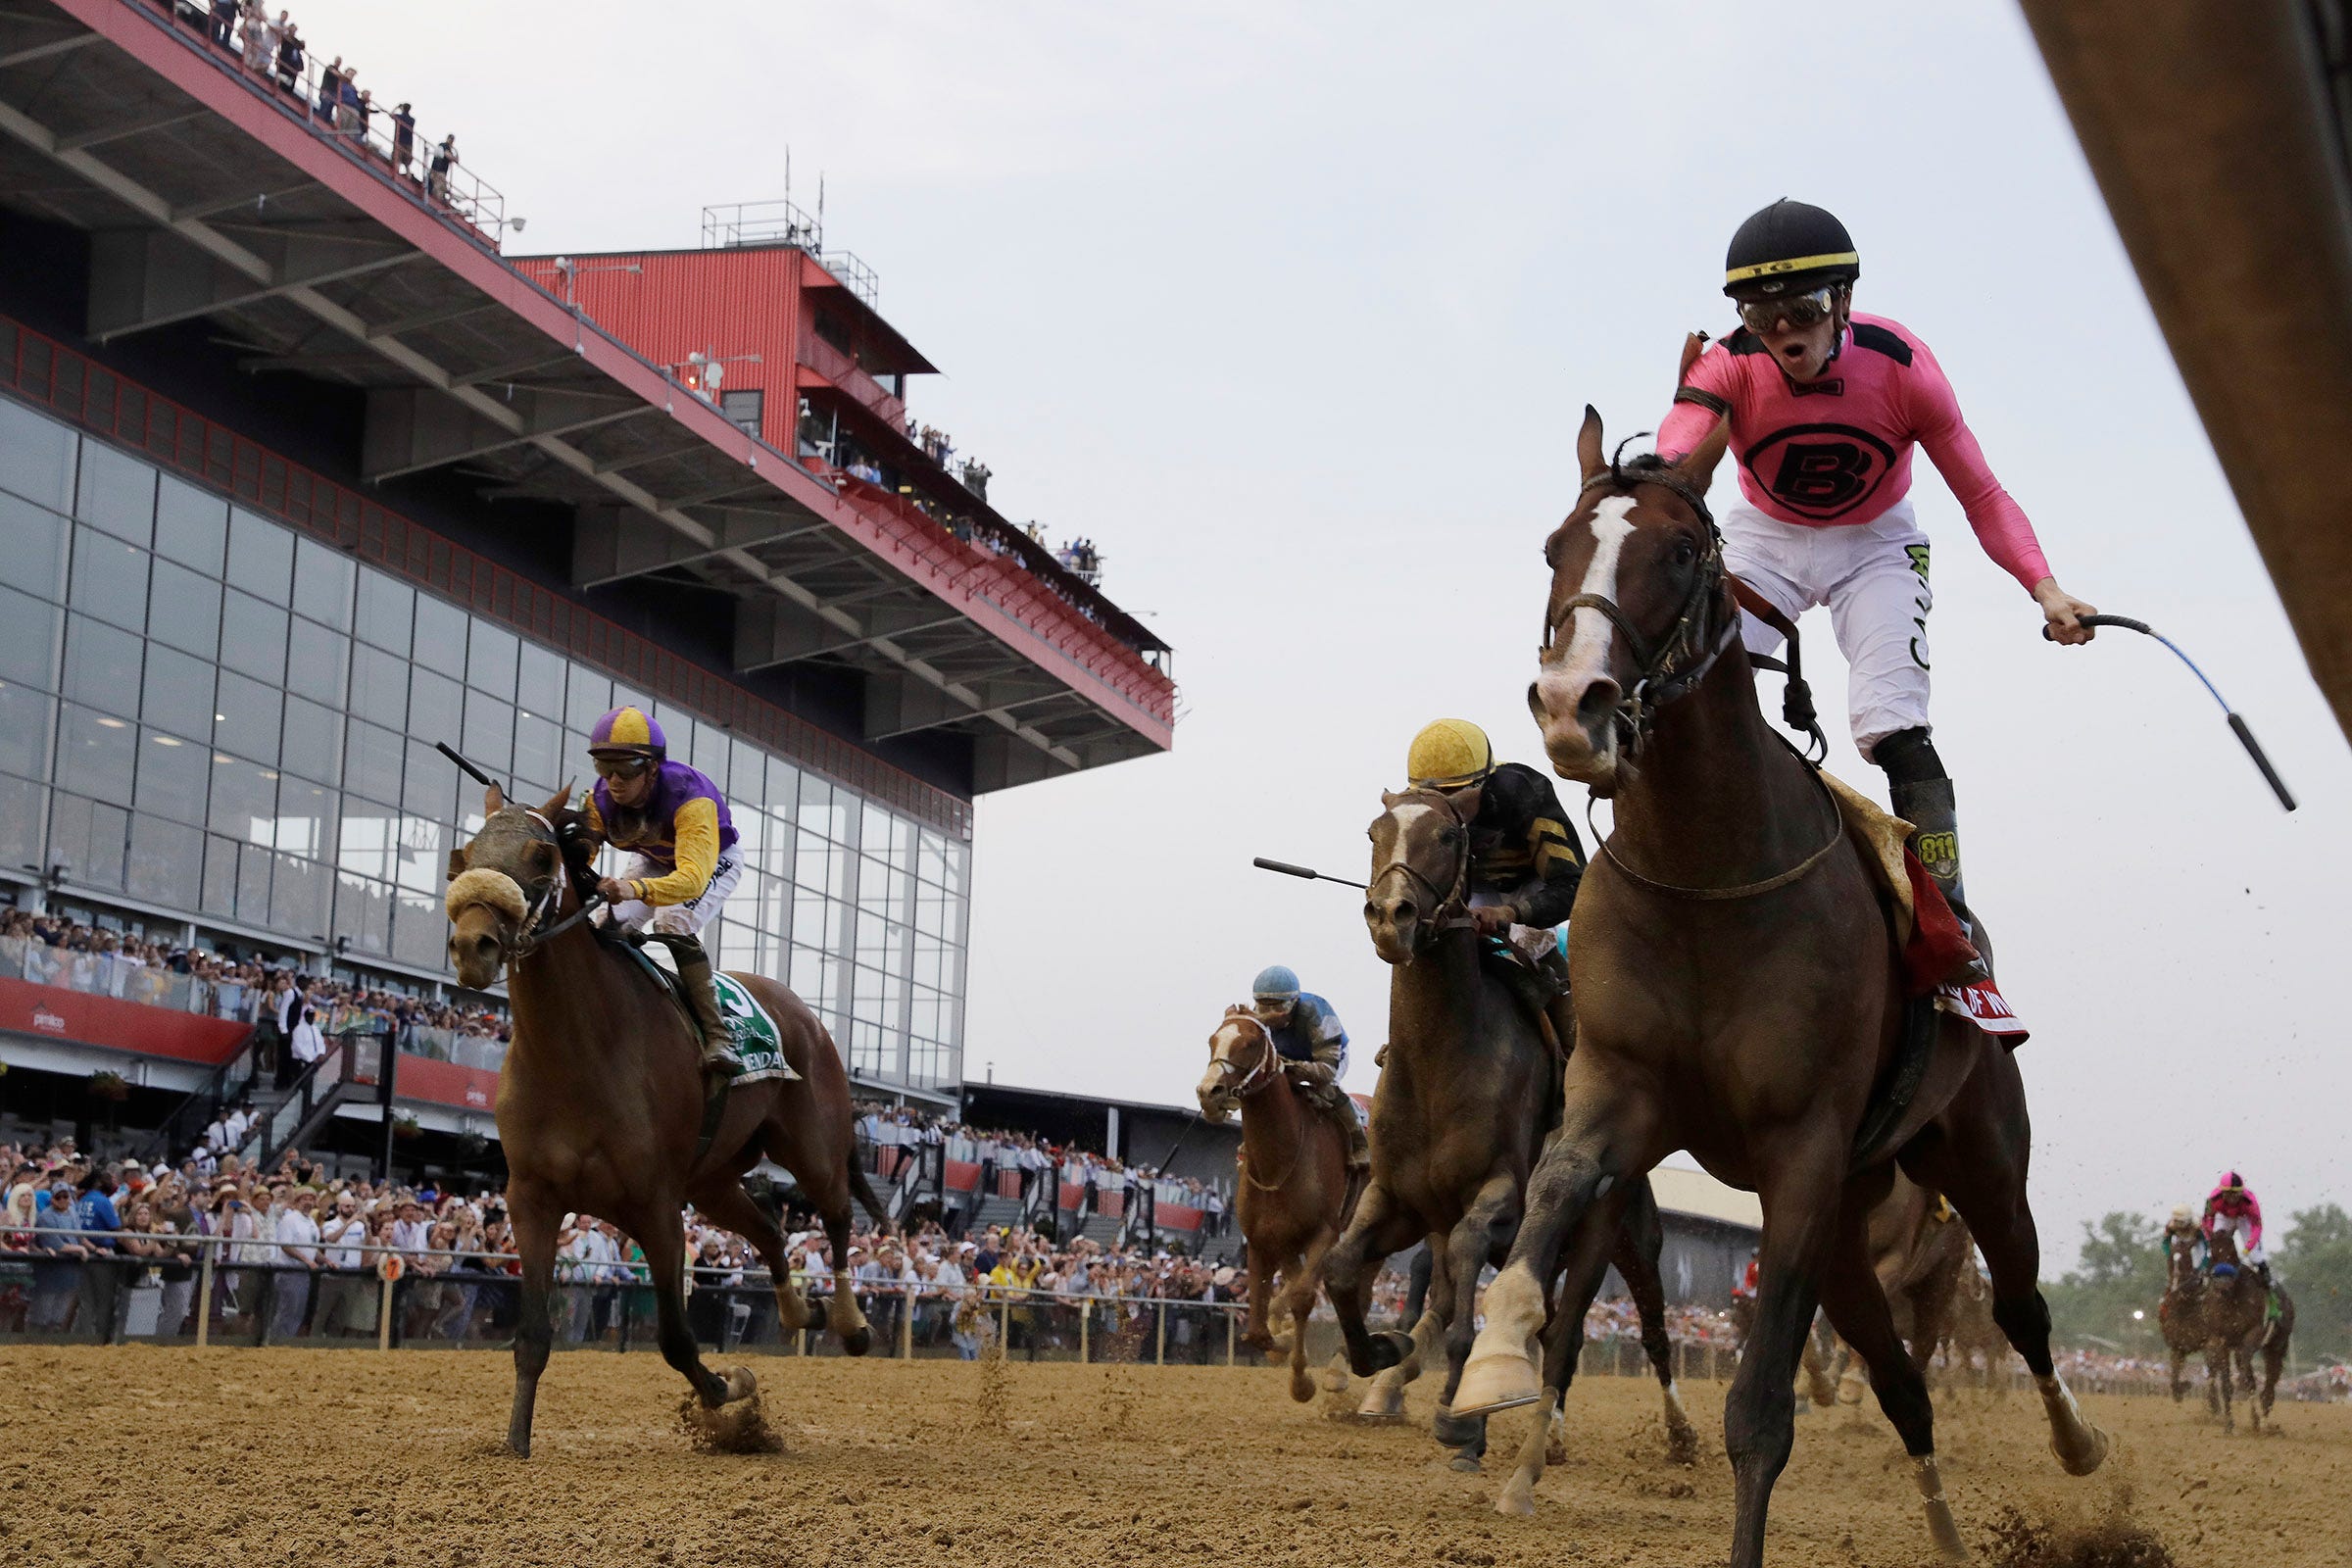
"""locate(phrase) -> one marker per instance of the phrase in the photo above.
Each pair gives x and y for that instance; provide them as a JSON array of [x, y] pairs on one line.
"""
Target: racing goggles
[[620, 766], [1798, 310]]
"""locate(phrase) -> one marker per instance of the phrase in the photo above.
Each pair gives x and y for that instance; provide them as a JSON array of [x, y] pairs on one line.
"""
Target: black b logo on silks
[[1820, 471]]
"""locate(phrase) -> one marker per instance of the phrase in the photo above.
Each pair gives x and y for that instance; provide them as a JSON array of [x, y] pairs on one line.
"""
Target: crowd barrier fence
[[215, 1290]]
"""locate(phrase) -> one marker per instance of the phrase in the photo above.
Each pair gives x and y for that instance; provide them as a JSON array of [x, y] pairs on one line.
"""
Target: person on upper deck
[[1826, 408], [682, 863]]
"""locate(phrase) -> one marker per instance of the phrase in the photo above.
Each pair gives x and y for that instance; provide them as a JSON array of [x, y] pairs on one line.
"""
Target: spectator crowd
[[53, 950]]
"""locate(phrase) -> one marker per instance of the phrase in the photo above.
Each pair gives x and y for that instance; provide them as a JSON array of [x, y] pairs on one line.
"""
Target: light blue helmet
[[1275, 983]]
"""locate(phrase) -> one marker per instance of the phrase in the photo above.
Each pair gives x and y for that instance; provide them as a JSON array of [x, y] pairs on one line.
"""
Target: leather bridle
[[1450, 909], [1684, 657], [1268, 1063], [529, 936]]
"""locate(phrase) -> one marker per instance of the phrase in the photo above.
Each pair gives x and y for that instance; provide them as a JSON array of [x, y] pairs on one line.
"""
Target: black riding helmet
[[1788, 248]]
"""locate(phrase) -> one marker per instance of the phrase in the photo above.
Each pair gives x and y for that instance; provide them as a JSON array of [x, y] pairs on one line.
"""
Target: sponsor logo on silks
[[1983, 1006], [1939, 851], [1925, 601], [1820, 472]]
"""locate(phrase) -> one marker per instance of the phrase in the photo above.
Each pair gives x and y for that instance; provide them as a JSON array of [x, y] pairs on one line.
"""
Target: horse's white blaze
[[1588, 656]]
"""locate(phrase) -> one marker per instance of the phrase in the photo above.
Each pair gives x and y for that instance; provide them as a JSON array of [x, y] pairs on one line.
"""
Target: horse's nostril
[[1535, 701], [1596, 704]]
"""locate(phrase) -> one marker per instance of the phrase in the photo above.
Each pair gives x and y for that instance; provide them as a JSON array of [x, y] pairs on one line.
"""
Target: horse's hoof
[[739, 1385], [859, 1342], [1387, 1349], [521, 1450], [1467, 1465], [1517, 1496], [1454, 1431], [2083, 1457], [1500, 1380], [1302, 1388]]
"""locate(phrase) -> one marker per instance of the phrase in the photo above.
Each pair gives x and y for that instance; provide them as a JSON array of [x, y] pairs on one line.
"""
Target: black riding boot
[[718, 1040], [1920, 793]]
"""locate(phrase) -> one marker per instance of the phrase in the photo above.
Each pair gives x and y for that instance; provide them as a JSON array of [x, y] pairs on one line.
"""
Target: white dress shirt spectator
[[308, 1044]]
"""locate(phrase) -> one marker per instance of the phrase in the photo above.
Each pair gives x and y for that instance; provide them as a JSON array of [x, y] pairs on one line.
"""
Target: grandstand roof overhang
[[2217, 134], [208, 196]]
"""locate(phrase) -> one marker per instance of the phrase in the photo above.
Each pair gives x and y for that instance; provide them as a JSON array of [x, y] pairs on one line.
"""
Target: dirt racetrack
[[142, 1457]]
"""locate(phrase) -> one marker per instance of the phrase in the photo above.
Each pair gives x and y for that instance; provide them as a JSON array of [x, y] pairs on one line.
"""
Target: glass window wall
[[201, 710]]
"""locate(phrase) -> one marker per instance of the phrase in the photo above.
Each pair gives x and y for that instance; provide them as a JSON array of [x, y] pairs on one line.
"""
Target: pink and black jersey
[[1837, 452]]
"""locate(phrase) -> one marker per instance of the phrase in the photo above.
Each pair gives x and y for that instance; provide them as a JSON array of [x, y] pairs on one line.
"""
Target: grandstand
[[300, 473]]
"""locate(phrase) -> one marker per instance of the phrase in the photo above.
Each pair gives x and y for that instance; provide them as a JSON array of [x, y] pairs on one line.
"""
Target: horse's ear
[[1466, 802], [1698, 467], [1589, 456], [1388, 801], [559, 802], [494, 801], [457, 862]]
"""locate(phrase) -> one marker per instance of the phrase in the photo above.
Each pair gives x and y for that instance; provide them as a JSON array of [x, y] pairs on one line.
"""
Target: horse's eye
[[1685, 553]]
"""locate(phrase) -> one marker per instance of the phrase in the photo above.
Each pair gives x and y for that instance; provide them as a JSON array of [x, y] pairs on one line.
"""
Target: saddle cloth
[[758, 1040], [1934, 945]]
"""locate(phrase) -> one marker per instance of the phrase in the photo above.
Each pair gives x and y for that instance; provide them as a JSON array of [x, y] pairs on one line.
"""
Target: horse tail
[[863, 1191]]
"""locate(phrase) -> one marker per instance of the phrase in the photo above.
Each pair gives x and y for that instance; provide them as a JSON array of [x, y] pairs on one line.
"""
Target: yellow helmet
[[1448, 755]]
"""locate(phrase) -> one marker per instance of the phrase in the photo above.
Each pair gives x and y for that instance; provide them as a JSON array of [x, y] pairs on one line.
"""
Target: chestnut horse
[[1466, 1097], [1739, 996], [601, 1103], [1919, 1248], [2180, 1315], [1295, 1194]]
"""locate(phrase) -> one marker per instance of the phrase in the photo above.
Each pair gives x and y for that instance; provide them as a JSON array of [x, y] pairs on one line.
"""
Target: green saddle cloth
[[759, 1043]]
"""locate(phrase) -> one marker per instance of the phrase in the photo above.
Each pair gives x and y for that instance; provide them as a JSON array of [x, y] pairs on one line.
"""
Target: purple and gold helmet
[[628, 732]]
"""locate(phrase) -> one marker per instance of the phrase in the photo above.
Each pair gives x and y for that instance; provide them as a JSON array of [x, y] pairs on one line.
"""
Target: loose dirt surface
[[152, 1457]]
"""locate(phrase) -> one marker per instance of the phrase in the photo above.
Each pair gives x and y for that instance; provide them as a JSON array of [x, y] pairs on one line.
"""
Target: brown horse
[[1295, 1194], [1918, 1248], [1465, 1102], [2180, 1315], [2239, 1322], [600, 1105], [1969, 1332], [1739, 996]]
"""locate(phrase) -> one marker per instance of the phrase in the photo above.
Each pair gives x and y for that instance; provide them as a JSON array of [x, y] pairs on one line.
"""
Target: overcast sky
[[1294, 311]]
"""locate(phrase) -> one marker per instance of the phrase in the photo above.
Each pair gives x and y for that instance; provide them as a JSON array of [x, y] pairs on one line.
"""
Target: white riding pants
[[2241, 1231], [677, 919], [1873, 578]]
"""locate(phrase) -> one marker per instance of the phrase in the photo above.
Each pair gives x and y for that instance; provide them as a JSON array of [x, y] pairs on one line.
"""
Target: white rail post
[[907, 1323], [383, 1312], [1163, 1333], [1229, 1335], [1086, 1315]]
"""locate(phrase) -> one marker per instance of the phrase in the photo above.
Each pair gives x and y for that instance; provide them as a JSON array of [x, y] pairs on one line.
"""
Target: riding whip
[[2238, 725], [479, 778], [1287, 870]]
